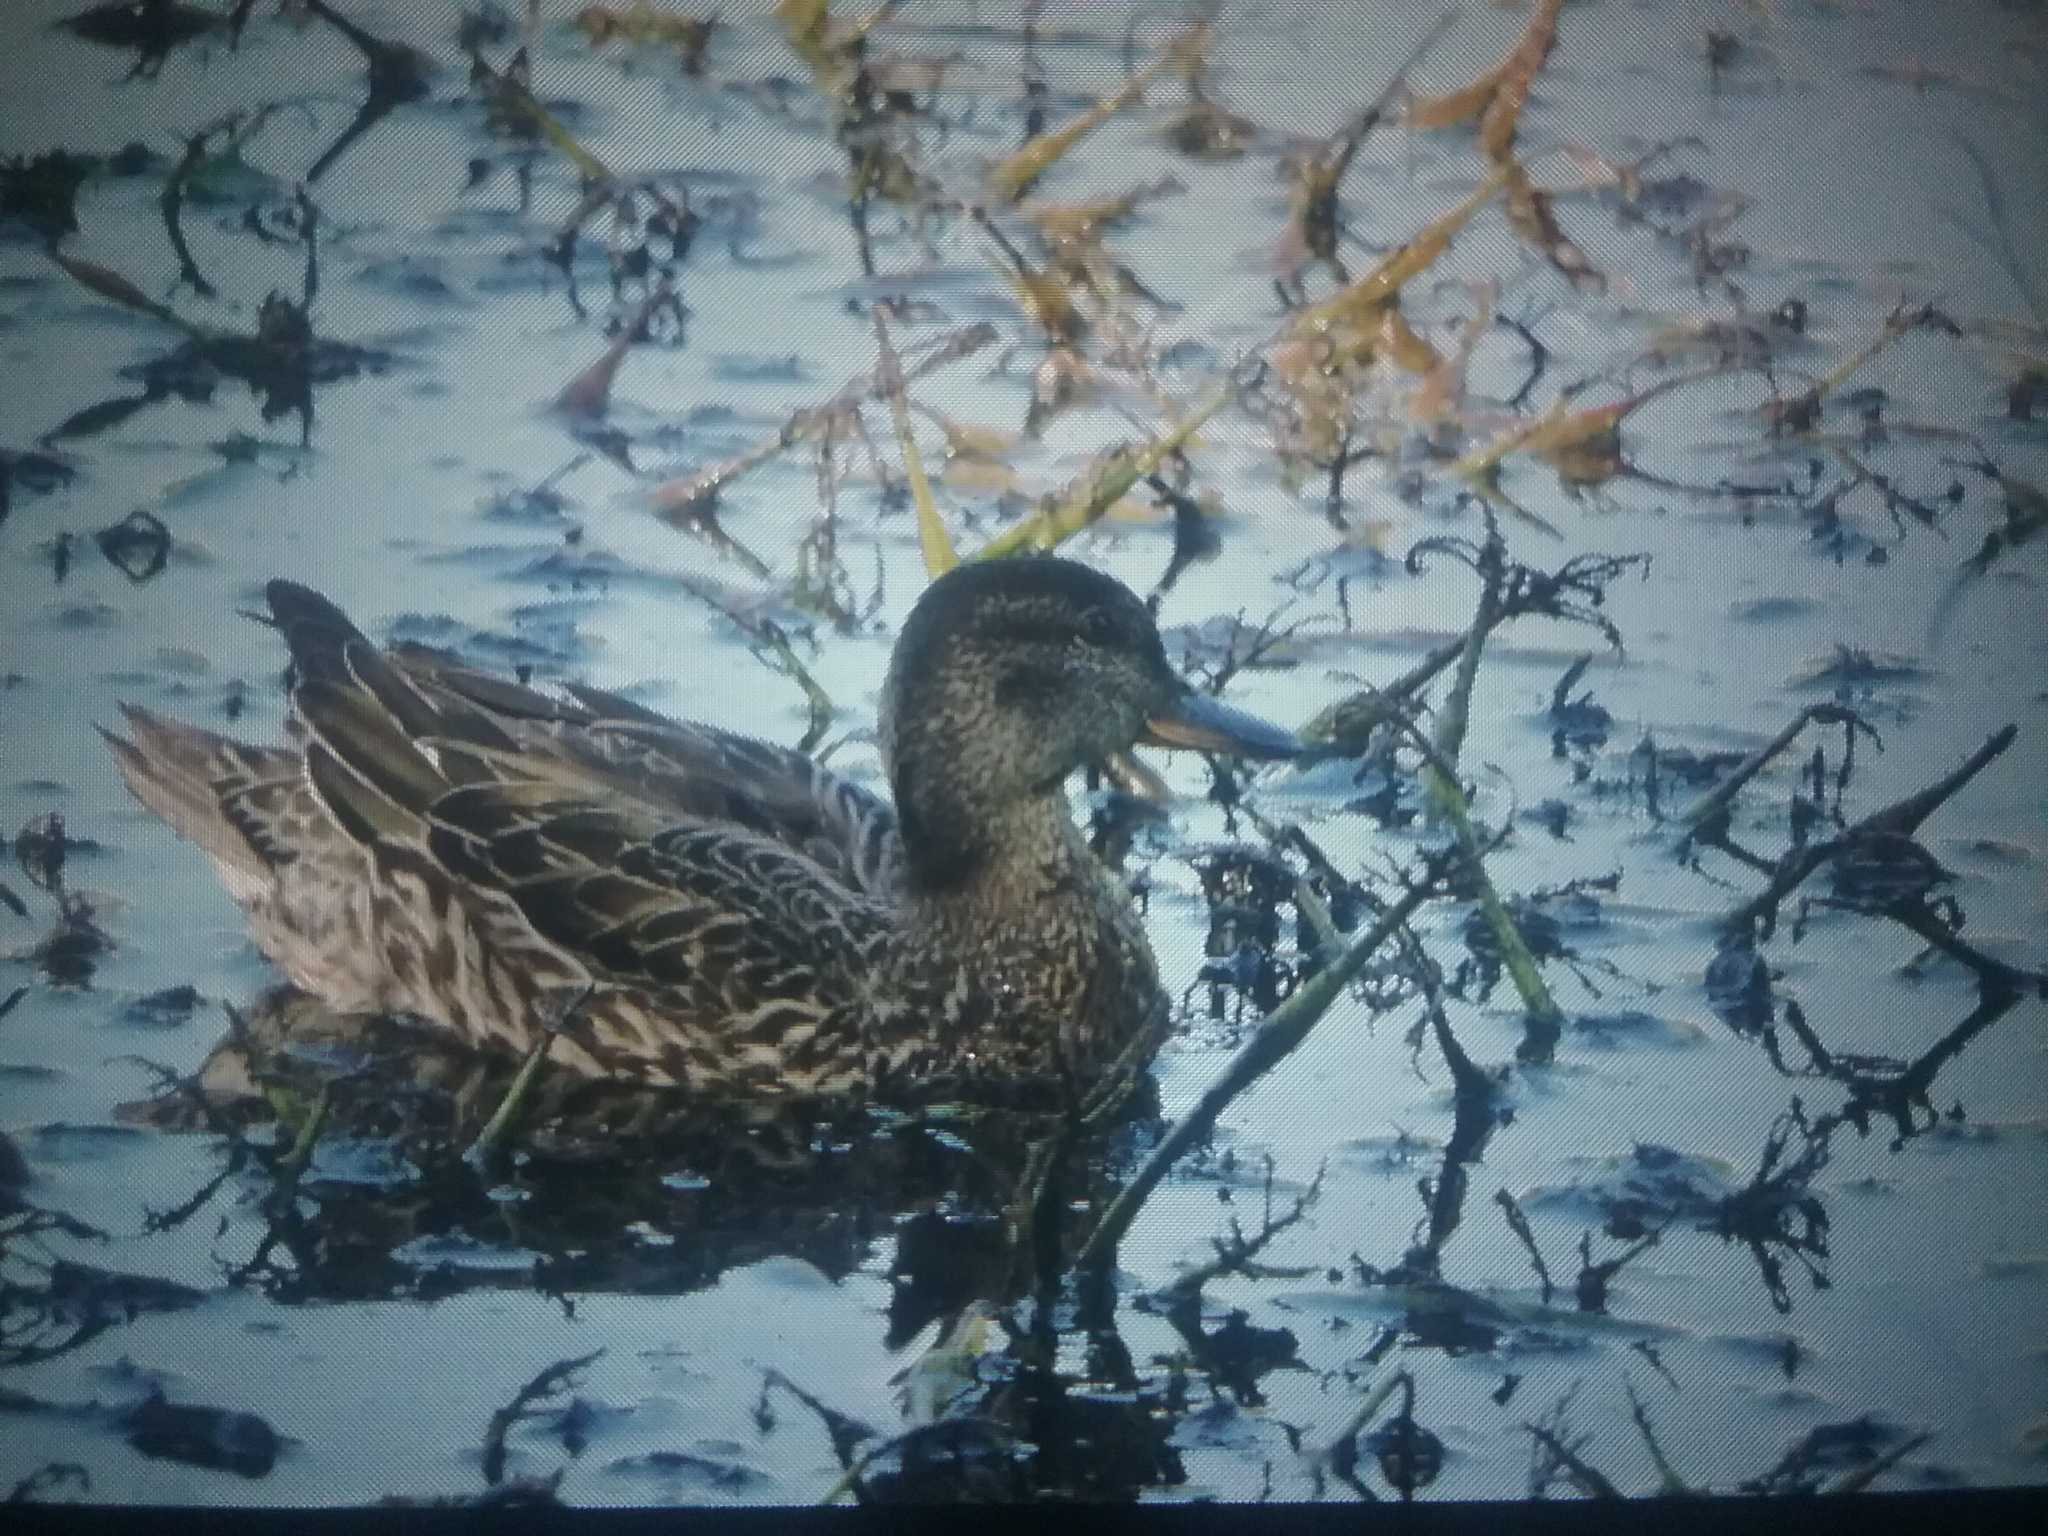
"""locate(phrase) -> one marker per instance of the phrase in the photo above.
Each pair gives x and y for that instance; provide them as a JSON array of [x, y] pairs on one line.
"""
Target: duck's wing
[[683, 771], [721, 957]]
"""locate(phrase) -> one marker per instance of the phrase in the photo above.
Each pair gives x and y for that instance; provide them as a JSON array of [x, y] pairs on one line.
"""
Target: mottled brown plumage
[[725, 915]]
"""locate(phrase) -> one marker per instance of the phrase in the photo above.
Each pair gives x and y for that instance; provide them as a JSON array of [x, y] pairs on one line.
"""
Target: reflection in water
[[365, 1135], [378, 1120]]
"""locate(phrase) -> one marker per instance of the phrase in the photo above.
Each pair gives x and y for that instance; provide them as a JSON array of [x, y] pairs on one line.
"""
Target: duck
[[671, 904]]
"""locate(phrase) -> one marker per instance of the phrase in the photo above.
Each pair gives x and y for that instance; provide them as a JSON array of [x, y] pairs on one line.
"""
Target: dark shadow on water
[[592, 1171]]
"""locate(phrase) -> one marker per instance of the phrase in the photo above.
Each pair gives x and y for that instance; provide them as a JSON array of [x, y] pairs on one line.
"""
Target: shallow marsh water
[[406, 507]]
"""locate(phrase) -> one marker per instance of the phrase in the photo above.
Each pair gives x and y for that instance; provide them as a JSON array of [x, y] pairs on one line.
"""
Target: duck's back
[[684, 770]]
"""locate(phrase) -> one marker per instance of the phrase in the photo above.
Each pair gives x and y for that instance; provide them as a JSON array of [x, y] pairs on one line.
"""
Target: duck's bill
[[1197, 721]]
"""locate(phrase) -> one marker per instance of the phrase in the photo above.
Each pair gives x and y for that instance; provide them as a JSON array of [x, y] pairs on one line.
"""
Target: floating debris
[[139, 546], [233, 1441]]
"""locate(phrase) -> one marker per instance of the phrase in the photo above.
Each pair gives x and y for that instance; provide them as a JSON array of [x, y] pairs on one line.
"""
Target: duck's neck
[[1046, 971], [998, 866]]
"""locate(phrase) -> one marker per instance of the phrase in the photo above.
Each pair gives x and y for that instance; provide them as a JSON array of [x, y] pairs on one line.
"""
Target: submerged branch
[[1716, 800], [1283, 1030], [1899, 819]]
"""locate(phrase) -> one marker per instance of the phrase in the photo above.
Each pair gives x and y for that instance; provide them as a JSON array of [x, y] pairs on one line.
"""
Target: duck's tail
[[218, 793]]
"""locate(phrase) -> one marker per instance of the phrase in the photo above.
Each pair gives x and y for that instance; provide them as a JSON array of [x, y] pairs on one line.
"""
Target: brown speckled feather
[[727, 915], [683, 770]]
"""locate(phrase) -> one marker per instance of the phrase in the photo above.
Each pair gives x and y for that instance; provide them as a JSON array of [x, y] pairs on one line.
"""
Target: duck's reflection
[[606, 1186]]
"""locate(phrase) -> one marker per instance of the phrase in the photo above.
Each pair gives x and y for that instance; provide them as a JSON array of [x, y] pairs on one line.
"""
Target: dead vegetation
[[1346, 373]]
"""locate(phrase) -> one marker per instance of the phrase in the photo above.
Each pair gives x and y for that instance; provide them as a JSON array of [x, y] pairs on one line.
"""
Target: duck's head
[[1011, 674]]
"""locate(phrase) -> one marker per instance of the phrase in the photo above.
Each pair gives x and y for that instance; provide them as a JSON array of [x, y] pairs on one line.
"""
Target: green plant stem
[[1284, 1029]]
